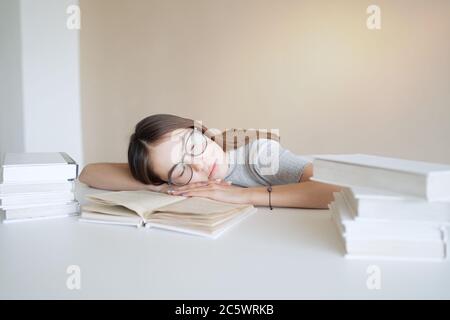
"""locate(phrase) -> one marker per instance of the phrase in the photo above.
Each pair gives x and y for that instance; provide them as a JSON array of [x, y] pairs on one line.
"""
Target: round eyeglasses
[[194, 145]]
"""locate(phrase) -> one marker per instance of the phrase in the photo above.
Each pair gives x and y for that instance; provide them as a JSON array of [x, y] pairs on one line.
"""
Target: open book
[[199, 216]]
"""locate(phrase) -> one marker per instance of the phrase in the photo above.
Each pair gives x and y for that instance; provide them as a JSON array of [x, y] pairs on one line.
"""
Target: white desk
[[283, 254]]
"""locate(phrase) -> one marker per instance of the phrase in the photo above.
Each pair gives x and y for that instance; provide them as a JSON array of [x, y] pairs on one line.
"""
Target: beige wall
[[310, 68]]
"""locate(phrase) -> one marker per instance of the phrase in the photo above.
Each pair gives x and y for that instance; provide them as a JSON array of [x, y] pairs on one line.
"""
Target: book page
[[209, 231], [100, 217], [111, 210], [208, 217], [197, 205], [141, 201], [191, 222]]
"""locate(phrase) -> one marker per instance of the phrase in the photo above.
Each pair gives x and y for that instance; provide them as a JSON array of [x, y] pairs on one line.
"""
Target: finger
[[200, 193], [210, 186], [201, 184], [225, 182], [218, 182], [158, 188], [190, 185], [183, 192]]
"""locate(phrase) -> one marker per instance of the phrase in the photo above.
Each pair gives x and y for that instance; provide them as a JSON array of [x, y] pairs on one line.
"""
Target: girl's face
[[210, 164]]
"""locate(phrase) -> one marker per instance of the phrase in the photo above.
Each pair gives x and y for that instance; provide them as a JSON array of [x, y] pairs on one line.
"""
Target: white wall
[[11, 117], [40, 100], [310, 68], [50, 58]]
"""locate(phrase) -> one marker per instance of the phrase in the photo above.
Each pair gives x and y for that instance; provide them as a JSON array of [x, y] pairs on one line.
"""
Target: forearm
[[110, 176], [308, 194]]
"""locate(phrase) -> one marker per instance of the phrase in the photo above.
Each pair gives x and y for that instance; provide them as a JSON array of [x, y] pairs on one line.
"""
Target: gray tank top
[[264, 162]]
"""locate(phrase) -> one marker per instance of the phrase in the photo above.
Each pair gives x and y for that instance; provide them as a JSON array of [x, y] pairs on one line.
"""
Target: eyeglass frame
[[186, 153]]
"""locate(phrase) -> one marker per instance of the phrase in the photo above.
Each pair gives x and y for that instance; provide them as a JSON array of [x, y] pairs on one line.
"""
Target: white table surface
[[279, 254]]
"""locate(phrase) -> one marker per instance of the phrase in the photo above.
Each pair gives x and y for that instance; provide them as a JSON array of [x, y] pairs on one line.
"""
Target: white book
[[38, 166], [397, 249], [430, 181], [32, 199], [370, 248], [35, 206], [43, 211], [126, 220], [111, 222], [380, 229], [9, 221], [383, 205], [20, 188]]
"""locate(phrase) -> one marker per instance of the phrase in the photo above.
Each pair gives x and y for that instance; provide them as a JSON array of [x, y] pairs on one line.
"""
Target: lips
[[213, 167]]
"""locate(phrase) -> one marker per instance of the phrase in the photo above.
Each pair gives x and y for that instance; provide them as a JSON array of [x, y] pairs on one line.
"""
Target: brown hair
[[151, 129]]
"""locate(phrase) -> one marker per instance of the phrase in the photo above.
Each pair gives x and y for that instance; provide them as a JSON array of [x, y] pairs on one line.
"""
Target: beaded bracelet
[[269, 189]]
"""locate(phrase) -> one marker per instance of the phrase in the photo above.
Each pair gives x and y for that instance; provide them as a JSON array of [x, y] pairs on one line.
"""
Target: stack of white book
[[38, 186], [388, 208]]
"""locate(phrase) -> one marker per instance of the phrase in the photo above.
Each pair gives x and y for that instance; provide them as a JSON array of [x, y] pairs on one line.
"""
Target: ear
[[307, 173]]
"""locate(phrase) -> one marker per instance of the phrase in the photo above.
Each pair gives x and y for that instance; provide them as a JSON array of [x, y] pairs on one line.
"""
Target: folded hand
[[215, 189]]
